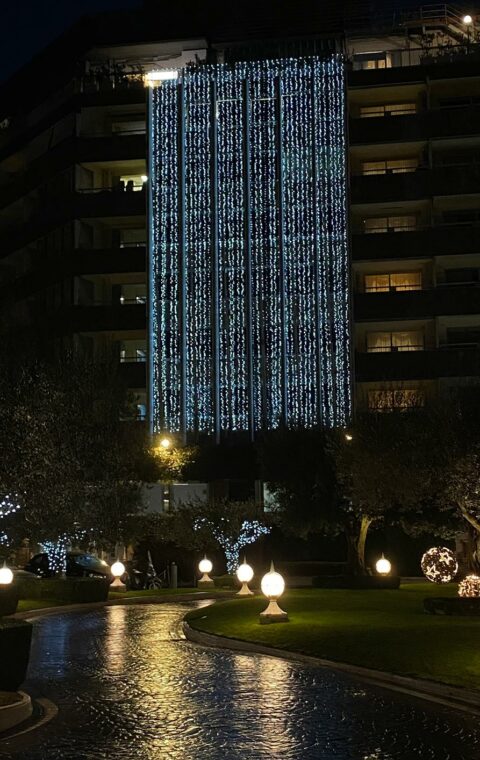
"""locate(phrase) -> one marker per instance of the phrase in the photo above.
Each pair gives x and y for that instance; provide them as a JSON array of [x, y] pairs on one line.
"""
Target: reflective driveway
[[130, 688]]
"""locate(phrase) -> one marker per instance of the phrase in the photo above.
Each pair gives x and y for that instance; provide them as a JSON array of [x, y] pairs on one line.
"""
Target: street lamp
[[205, 567], [467, 20], [383, 566], [117, 570], [273, 587], [6, 575], [244, 575]]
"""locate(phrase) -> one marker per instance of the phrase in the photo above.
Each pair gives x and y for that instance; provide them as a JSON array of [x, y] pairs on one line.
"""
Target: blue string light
[[249, 252], [250, 531]]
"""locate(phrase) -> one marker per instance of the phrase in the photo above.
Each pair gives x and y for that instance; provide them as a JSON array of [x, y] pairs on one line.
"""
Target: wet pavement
[[128, 687]]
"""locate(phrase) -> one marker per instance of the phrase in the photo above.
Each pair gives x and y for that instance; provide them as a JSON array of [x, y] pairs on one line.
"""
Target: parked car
[[79, 564]]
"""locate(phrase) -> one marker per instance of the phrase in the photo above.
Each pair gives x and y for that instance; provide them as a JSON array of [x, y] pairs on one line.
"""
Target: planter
[[364, 582], [16, 712], [15, 640], [8, 599], [457, 605]]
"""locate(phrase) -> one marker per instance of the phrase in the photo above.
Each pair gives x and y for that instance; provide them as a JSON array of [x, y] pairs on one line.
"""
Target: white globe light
[[205, 566], [383, 566], [6, 576], [272, 585], [467, 19], [118, 569], [244, 573], [165, 443]]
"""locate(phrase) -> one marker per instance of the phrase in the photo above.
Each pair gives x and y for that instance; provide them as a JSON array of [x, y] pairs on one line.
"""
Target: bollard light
[[6, 575], [273, 587], [205, 567], [117, 570], [244, 575], [383, 566]]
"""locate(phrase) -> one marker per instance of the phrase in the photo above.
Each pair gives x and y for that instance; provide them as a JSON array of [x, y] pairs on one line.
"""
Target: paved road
[[130, 688]]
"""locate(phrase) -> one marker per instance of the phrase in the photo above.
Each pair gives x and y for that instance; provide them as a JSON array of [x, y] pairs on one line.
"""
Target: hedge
[[73, 590], [15, 640], [8, 599], [225, 581]]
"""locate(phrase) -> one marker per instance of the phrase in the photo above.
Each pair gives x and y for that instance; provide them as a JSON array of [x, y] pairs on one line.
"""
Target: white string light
[[249, 252], [250, 531]]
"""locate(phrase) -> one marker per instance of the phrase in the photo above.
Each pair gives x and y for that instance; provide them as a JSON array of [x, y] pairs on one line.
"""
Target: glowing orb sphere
[[6, 576], [165, 443], [118, 569], [245, 573], [272, 584], [467, 19], [383, 566], [439, 565], [205, 566], [470, 586]]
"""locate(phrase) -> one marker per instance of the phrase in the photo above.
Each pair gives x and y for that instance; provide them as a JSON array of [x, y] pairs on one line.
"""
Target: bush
[[8, 599], [311, 568], [15, 640], [357, 582], [445, 605], [225, 581], [73, 590]]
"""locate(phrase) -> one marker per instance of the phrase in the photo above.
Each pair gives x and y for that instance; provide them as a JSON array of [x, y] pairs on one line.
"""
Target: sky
[[27, 26]]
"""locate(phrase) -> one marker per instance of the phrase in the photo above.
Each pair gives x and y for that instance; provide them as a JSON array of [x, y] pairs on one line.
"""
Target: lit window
[[383, 283], [393, 166], [405, 340], [390, 224], [133, 182], [395, 400], [393, 109]]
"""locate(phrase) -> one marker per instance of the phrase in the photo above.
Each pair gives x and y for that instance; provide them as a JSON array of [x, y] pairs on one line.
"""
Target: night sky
[[27, 26]]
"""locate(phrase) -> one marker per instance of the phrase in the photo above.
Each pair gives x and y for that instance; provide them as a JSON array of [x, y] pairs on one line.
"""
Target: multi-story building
[[74, 176]]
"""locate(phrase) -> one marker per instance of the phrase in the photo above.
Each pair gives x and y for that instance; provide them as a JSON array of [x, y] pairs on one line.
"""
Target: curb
[[453, 697], [16, 713]]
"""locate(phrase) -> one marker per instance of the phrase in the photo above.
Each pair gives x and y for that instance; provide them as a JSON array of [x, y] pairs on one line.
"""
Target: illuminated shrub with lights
[[439, 565], [469, 587]]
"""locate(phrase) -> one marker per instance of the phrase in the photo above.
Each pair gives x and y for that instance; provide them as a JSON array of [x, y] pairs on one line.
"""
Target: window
[[393, 109], [133, 294], [385, 342], [133, 351], [384, 283], [389, 224], [132, 182], [463, 336], [392, 166], [395, 400], [374, 60]]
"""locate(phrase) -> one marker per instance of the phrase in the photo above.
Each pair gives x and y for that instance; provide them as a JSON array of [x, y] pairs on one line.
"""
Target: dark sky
[[27, 26]]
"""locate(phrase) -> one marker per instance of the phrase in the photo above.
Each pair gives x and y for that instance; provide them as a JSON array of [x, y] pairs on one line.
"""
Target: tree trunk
[[473, 548], [356, 535]]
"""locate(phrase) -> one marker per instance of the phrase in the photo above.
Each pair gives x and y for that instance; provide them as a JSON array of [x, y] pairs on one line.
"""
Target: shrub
[[225, 581], [357, 582], [73, 590], [8, 599], [15, 640]]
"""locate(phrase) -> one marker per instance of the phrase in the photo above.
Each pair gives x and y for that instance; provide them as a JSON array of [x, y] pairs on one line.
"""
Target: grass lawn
[[151, 592], [26, 605], [385, 630]]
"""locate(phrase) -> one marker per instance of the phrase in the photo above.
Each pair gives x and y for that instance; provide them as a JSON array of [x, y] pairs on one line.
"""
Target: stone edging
[[451, 696], [18, 712]]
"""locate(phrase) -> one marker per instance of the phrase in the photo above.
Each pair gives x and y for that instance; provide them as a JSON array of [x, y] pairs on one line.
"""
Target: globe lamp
[[383, 566], [117, 570], [244, 575], [273, 587], [205, 567], [6, 575]]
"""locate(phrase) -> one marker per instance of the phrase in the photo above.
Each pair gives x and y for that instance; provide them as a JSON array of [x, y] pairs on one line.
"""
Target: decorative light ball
[[205, 566], [6, 576], [272, 584], [439, 565], [245, 573], [470, 586], [118, 569], [383, 566]]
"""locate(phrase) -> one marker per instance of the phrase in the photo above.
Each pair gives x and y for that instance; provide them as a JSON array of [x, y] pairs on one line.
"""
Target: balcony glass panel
[[395, 400], [392, 109], [383, 283], [389, 224], [392, 166]]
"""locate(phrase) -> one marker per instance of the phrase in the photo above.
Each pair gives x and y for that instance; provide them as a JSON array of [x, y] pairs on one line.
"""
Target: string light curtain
[[249, 307]]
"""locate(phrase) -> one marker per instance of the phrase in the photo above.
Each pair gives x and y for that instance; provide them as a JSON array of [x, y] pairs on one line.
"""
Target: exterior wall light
[[383, 566], [6, 575], [205, 567], [117, 570], [244, 575], [273, 587]]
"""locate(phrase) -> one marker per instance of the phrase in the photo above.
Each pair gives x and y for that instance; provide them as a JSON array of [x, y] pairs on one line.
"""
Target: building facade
[[74, 180]]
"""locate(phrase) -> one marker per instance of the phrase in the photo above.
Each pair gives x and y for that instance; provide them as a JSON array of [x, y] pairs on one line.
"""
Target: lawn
[[384, 630]]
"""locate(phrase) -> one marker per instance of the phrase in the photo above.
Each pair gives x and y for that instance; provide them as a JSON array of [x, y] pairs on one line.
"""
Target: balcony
[[435, 123], [105, 318], [418, 304], [443, 240], [422, 183], [109, 260], [134, 374], [418, 365]]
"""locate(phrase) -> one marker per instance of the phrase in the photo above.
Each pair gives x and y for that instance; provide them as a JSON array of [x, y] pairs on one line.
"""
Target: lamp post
[[273, 587], [205, 567], [468, 22], [117, 570], [6, 575], [244, 575]]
